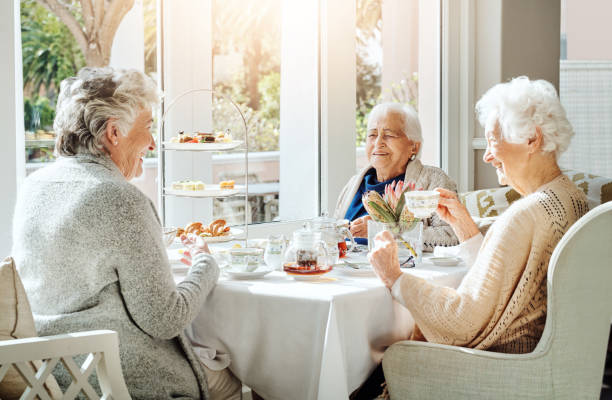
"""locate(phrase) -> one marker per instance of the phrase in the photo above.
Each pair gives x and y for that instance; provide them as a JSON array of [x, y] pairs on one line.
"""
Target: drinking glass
[[275, 249]]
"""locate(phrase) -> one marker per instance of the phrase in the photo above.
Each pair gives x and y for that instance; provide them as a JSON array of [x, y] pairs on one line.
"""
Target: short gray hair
[[521, 105], [410, 118], [86, 103]]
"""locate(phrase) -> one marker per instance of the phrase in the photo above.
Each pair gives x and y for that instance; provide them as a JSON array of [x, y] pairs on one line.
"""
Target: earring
[[115, 143], [413, 157]]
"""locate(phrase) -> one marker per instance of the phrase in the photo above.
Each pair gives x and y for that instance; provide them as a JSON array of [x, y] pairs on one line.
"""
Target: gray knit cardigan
[[435, 231], [88, 247]]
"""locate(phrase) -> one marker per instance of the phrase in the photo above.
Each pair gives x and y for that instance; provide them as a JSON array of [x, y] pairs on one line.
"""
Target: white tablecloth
[[307, 340]]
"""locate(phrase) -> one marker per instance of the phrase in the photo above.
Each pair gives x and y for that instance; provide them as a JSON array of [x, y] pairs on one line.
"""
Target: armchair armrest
[[422, 370], [102, 347]]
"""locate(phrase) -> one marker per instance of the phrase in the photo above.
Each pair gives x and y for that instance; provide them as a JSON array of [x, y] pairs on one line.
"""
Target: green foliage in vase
[[390, 208]]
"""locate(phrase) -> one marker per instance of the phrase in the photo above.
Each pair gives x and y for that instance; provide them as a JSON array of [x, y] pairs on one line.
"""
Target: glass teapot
[[333, 233], [306, 254]]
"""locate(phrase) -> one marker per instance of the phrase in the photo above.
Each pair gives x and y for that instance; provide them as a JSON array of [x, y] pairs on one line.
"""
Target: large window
[[387, 60], [246, 57], [304, 74], [585, 83], [51, 53]]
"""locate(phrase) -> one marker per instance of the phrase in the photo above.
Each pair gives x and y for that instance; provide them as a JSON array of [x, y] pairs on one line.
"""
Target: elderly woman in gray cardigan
[[88, 244], [393, 148]]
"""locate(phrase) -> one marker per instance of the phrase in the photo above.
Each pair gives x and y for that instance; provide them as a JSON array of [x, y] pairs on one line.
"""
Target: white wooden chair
[[567, 363], [101, 348]]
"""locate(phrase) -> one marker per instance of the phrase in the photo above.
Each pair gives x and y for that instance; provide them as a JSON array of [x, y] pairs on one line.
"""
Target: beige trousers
[[223, 385]]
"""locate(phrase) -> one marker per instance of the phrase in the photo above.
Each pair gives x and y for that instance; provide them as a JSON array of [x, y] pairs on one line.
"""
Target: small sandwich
[[223, 137], [206, 137], [226, 184], [198, 185], [178, 185]]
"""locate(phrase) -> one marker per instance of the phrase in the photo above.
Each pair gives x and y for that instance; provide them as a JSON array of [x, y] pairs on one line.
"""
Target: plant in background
[[50, 52], [38, 114], [406, 91]]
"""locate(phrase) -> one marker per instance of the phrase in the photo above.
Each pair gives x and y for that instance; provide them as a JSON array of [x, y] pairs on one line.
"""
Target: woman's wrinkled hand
[[195, 245], [359, 227], [383, 258], [453, 212]]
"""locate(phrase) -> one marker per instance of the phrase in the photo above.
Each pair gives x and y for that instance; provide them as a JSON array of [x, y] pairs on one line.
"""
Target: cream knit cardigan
[[501, 303], [435, 231]]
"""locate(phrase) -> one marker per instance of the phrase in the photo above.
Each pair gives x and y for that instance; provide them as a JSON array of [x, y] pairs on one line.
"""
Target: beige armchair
[[567, 363]]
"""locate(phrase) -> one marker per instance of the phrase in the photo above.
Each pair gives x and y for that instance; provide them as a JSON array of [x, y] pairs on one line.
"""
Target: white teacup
[[422, 203], [246, 259]]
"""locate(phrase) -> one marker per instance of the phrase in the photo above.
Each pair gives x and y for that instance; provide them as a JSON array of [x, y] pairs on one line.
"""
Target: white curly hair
[[88, 101], [410, 118], [521, 105]]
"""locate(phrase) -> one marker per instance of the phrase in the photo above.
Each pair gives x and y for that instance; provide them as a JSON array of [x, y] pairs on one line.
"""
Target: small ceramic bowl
[[422, 203]]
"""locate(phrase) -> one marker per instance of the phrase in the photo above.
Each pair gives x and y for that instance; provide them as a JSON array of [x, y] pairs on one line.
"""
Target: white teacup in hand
[[422, 203]]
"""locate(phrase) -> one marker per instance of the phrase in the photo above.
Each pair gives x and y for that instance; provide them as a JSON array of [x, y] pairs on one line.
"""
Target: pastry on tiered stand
[[188, 185], [202, 137]]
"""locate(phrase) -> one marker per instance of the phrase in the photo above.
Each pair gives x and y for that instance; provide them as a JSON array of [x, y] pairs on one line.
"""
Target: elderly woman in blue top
[[393, 148], [88, 244]]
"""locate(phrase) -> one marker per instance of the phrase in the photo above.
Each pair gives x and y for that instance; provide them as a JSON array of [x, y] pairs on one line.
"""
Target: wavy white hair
[[87, 102], [521, 105], [410, 119]]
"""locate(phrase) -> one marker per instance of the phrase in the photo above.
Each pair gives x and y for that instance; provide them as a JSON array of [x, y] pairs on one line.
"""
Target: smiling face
[[387, 147], [129, 150], [509, 159]]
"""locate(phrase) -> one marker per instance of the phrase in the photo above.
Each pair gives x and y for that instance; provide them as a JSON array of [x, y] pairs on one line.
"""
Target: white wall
[[338, 99], [429, 80], [588, 29], [12, 161], [128, 44], [299, 99]]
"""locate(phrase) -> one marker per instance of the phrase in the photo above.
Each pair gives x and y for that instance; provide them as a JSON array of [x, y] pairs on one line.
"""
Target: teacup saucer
[[445, 261], [258, 273]]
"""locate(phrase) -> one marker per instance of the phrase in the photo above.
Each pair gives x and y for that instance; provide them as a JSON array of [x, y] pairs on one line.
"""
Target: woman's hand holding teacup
[[195, 245], [454, 213], [383, 258], [359, 227]]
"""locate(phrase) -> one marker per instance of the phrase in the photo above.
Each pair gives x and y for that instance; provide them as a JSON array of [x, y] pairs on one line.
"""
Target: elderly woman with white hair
[[88, 244], [393, 148], [501, 303]]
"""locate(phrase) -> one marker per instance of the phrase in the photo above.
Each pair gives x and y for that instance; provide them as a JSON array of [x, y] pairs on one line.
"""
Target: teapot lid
[[323, 221], [305, 235]]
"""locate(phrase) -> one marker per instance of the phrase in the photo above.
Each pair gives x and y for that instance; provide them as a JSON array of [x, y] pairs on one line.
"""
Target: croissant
[[193, 227]]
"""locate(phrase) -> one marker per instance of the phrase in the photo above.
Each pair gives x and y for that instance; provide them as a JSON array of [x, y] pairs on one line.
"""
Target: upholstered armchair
[[567, 363]]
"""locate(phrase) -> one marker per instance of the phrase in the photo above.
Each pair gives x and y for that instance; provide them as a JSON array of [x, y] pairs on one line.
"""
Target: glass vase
[[409, 240]]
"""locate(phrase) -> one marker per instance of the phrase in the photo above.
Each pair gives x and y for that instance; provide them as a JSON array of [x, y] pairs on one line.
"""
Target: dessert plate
[[213, 146], [233, 234]]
